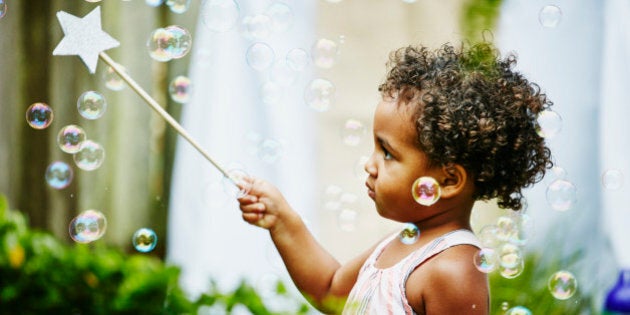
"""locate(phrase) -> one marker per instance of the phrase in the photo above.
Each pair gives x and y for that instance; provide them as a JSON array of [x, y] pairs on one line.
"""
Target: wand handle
[[169, 119]]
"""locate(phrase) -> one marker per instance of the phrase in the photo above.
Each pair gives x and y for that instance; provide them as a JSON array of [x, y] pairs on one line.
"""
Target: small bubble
[[180, 89], [426, 190], [259, 26], [352, 132], [88, 226], [562, 285], [319, 94], [3, 8], [39, 116], [485, 260], [298, 59], [154, 3], [260, 56], [409, 234], [220, 15], [612, 179], [550, 16], [561, 195], [281, 16], [160, 44], [91, 105], [548, 124], [70, 137], [270, 150], [237, 184], [324, 53], [144, 240], [347, 220], [505, 306], [178, 6], [518, 310], [59, 175], [90, 155], [113, 81]]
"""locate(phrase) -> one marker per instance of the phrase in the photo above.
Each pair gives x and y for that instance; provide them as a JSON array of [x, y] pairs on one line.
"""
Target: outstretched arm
[[316, 273]]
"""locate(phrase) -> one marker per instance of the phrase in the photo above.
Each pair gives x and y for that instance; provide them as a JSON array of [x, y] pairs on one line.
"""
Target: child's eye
[[387, 155]]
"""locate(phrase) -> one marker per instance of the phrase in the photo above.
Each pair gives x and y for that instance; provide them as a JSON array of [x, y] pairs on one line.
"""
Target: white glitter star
[[84, 37]]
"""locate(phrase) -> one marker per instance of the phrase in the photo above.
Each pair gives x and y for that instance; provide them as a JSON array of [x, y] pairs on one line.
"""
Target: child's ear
[[454, 177]]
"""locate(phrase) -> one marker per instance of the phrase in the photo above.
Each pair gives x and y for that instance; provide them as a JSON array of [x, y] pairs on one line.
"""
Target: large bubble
[[90, 155], [426, 190], [88, 226], [561, 195], [91, 105], [485, 260], [562, 285], [172, 42], [219, 15], [548, 124], [144, 240], [319, 94], [39, 115], [59, 175], [70, 138]]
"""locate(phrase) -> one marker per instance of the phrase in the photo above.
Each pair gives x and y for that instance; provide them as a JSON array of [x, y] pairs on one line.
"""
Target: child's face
[[396, 163]]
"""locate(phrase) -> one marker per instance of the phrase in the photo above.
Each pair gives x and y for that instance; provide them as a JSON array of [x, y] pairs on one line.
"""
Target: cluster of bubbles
[[88, 226], [144, 240], [426, 190], [342, 204], [550, 16], [171, 42]]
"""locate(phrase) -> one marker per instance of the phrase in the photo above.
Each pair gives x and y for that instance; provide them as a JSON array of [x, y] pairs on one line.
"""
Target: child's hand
[[264, 205]]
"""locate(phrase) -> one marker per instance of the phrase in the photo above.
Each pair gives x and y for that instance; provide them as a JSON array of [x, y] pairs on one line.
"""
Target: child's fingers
[[247, 199], [253, 208], [252, 218]]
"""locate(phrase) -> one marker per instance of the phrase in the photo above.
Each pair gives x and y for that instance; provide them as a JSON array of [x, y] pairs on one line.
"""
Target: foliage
[[530, 290], [478, 18], [41, 275]]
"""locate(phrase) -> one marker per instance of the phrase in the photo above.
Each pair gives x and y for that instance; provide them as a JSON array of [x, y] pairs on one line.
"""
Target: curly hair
[[476, 111]]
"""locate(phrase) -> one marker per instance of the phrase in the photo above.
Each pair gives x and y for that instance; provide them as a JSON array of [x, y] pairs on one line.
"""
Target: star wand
[[85, 38]]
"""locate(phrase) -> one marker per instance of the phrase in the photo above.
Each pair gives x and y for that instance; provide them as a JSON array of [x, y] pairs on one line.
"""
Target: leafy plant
[[41, 275]]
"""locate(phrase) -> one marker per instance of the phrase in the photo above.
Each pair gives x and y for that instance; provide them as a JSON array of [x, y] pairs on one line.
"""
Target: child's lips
[[371, 192]]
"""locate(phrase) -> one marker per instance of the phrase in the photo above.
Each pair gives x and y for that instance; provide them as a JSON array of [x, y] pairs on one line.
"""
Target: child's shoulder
[[449, 277]]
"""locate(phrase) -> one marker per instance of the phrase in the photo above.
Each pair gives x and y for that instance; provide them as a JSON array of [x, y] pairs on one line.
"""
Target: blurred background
[[285, 90]]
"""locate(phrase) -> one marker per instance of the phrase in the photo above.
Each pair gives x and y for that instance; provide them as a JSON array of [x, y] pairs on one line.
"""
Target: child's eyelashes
[[387, 155]]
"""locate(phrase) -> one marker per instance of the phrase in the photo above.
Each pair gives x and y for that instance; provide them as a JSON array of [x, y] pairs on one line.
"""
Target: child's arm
[[315, 272]]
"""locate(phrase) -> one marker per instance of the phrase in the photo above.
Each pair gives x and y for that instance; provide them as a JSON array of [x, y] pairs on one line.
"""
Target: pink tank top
[[382, 291]]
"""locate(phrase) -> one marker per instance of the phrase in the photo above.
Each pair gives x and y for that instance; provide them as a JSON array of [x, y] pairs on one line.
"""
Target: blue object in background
[[618, 298]]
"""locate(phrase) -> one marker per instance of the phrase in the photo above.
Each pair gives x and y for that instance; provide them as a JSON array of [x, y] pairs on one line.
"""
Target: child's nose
[[370, 166]]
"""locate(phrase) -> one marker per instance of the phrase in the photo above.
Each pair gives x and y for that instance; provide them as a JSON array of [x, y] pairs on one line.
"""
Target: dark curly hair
[[476, 111]]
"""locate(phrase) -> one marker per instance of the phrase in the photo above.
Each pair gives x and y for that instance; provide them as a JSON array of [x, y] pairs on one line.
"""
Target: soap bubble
[[270, 150], [352, 132], [426, 190], [113, 81], [237, 184], [144, 240], [88, 226], [612, 179], [319, 94], [324, 52], [485, 260], [347, 220], [488, 236], [182, 41], [260, 56], [561, 195], [550, 16], [281, 16], [510, 255], [3, 8], [298, 59], [562, 285], [178, 6], [180, 89], [512, 272], [409, 234], [160, 44], [59, 175], [39, 115], [518, 310], [548, 124], [409, 1], [90, 155], [91, 105], [219, 15], [70, 138]]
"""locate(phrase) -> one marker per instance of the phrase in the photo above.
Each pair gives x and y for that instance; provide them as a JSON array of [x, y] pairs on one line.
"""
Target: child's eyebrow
[[386, 144]]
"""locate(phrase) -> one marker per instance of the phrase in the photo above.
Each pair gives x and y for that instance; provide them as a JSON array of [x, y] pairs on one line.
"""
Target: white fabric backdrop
[[226, 113]]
